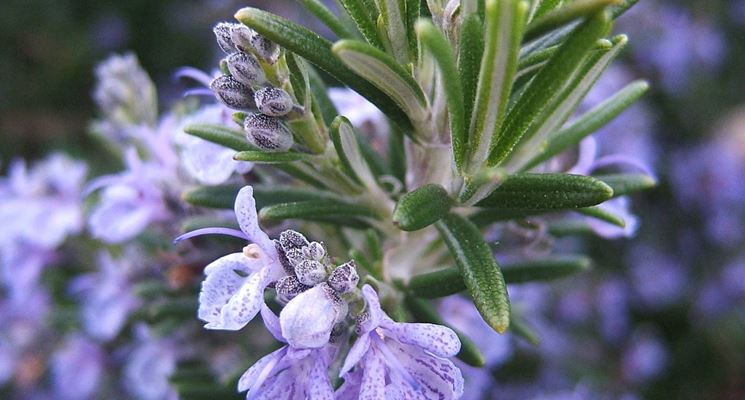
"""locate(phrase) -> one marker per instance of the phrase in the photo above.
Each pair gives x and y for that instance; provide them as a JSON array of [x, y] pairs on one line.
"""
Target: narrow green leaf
[[352, 161], [534, 60], [314, 209], [478, 268], [317, 50], [560, 17], [488, 216], [603, 215], [505, 21], [386, 74], [320, 96], [412, 15], [365, 15], [520, 329], [270, 194], [590, 122], [220, 196], [440, 49], [621, 7], [624, 184], [471, 49], [548, 192], [327, 17], [397, 154], [392, 15], [224, 136], [422, 207], [530, 111], [448, 281], [303, 173], [424, 312], [262, 157], [556, 114], [546, 6], [299, 79]]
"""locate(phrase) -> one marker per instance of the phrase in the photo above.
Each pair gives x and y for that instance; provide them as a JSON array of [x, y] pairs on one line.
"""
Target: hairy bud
[[223, 33], [288, 287], [273, 101], [344, 278], [245, 69], [286, 265], [310, 272], [241, 36], [233, 93], [267, 133], [264, 48], [290, 239], [314, 251]]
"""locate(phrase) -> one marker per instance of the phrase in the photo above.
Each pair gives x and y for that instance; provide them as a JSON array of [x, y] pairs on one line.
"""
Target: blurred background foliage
[[48, 49]]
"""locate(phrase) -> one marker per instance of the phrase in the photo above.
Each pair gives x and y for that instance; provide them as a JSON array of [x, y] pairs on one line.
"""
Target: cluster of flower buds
[[245, 87]]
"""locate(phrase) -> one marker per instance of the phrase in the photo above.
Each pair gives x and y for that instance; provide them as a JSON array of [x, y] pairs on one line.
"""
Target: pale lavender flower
[[308, 319], [670, 283], [645, 357], [288, 373], [399, 360], [77, 368], [125, 95], [130, 201], [107, 297], [39, 208], [233, 291], [149, 365]]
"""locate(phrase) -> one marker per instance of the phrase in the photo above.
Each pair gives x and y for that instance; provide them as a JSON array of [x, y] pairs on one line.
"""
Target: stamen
[[194, 74], [211, 231]]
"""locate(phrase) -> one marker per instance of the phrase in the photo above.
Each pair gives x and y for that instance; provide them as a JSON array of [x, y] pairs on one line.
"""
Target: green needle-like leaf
[[624, 184], [590, 122], [315, 209], [364, 13], [386, 74], [479, 270], [261, 157], [542, 95], [219, 134], [327, 17], [220, 196], [352, 160], [561, 16], [448, 281], [422, 207], [424, 312], [440, 49], [267, 195], [603, 215], [471, 49], [520, 329], [505, 21], [548, 192], [317, 50], [393, 18], [321, 97]]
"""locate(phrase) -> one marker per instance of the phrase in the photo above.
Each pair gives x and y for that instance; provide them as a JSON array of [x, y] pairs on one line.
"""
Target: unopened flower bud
[[314, 251], [233, 93], [290, 239], [344, 278], [288, 287], [245, 69], [286, 265], [223, 33], [264, 48], [267, 133], [310, 272], [241, 36], [273, 101]]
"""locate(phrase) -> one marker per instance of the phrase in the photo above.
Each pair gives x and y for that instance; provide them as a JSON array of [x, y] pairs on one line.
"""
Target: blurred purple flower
[[149, 365], [645, 357], [77, 368], [658, 278]]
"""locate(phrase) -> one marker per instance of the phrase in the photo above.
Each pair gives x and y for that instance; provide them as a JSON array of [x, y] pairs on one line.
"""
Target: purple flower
[[21, 325], [645, 358], [77, 368], [308, 319], [233, 291], [130, 201], [288, 373], [107, 298], [399, 360], [149, 365]]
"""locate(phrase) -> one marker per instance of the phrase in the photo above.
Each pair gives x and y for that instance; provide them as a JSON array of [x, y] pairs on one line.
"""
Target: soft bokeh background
[[662, 315]]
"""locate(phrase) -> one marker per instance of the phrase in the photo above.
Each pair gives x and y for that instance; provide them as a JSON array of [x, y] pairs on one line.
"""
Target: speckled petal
[[319, 385], [271, 322], [245, 212], [373, 378], [436, 339], [358, 350], [245, 304], [374, 312], [221, 284], [286, 385], [437, 377], [260, 368]]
